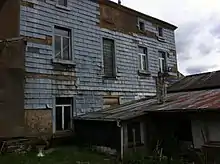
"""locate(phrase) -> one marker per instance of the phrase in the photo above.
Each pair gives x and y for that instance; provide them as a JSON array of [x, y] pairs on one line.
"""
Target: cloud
[[198, 33], [215, 31], [204, 49], [199, 69]]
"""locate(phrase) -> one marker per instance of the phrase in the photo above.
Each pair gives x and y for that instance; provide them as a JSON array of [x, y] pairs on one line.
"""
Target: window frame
[[161, 59], [114, 69], [141, 65], [139, 25], [71, 105], [160, 31], [140, 137], [64, 6], [62, 38]]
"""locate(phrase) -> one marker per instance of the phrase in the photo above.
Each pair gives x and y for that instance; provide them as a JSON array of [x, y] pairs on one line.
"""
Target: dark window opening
[[160, 31], [109, 57], [63, 114], [134, 134], [141, 26], [62, 3]]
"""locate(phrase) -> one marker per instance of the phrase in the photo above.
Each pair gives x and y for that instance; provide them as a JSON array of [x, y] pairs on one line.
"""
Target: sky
[[198, 33]]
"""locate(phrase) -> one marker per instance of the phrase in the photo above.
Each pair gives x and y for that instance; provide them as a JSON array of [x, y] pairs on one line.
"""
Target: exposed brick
[[38, 120]]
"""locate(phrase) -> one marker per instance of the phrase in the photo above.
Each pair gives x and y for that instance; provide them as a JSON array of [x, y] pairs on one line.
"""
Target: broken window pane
[[62, 43], [66, 49], [58, 47]]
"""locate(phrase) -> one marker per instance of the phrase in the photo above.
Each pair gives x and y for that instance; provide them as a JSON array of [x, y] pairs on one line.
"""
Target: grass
[[61, 156]]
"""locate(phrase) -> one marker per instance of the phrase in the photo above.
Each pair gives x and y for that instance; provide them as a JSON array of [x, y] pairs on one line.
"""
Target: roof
[[207, 100], [209, 80], [137, 13]]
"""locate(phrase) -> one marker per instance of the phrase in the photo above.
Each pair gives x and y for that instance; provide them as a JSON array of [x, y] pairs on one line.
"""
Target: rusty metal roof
[[207, 100], [208, 80]]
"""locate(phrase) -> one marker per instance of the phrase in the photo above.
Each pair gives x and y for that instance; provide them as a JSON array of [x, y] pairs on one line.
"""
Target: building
[[83, 56], [188, 118]]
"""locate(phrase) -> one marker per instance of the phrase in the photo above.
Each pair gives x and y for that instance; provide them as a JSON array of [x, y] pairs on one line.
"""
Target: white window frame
[[161, 64], [63, 5], [141, 65], [70, 42], [63, 117], [161, 60]]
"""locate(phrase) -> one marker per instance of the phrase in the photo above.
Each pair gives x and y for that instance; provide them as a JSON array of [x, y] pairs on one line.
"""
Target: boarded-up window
[[110, 101], [109, 57]]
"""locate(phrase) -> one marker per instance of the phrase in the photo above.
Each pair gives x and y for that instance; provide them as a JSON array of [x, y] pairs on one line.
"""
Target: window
[[109, 57], [160, 31], [141, 26], [110, 101], [62, 3], [63, 114], [134, 134], [62, 43], [143, 58], [162, 62]]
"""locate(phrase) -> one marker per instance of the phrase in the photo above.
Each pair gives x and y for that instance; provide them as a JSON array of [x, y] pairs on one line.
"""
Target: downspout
[[122, 139]]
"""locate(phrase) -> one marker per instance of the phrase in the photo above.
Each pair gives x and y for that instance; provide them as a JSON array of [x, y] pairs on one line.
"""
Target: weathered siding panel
[[85, 81]]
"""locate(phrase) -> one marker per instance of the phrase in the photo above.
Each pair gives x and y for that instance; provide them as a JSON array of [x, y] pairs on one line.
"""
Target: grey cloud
[[183, 56], [204, 49], [199, 69], [185, 36], [184, 39], [215, 31]]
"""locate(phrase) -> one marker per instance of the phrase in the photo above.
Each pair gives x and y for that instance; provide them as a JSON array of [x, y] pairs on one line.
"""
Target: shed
[[191, 112]]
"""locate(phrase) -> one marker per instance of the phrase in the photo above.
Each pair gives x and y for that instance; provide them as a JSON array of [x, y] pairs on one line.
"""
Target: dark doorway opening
[[172, 133]]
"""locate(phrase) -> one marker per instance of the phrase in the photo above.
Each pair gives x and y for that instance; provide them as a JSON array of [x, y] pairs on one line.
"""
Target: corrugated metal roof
[[197, 82], [182, 101]]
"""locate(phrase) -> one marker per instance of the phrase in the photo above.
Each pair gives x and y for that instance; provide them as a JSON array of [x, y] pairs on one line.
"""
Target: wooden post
[[134, 139], [122, 142]]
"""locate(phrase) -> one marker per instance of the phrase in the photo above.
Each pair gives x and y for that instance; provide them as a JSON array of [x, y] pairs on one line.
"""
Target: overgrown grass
[[61, 156]]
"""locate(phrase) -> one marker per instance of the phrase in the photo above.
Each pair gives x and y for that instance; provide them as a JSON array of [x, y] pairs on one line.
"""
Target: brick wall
[[38, 120]]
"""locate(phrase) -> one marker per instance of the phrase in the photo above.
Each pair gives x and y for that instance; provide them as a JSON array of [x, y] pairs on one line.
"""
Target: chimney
[[161, 88], [119, 2]]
